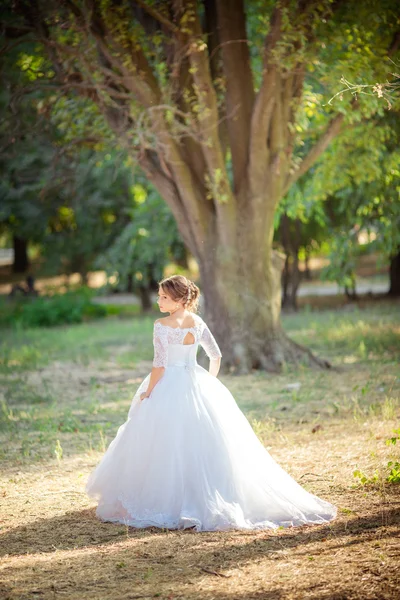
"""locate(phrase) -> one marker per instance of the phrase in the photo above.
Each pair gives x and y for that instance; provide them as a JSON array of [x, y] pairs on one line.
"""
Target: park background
[[253, 147]]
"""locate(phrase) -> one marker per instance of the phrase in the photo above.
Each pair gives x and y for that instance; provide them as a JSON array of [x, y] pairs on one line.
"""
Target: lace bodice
[[165, 335]]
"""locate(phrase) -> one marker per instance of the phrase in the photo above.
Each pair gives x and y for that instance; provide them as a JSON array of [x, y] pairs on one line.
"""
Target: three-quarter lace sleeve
[[160, 342], [207, 341]]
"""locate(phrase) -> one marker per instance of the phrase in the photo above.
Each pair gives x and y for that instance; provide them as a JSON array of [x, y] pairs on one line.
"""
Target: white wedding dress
[[187, 456]]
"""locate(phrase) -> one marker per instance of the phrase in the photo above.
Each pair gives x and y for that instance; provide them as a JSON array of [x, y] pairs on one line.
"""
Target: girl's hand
[[144, 395]]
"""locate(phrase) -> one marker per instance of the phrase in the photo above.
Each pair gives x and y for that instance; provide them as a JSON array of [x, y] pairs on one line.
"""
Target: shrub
[[49, 311], [391, 473]]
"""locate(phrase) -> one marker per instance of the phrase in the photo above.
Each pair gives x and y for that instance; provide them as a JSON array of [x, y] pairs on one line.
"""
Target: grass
[[32, 348], [65, 391]]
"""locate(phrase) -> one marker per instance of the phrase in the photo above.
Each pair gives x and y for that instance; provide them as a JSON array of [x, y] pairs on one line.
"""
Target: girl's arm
[[213, 352], [215, 365], [160, 360], [155, 376]]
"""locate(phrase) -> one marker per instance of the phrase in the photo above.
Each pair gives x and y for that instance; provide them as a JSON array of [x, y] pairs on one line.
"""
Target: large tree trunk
[[394, 273], [241, 284], [21, 261]]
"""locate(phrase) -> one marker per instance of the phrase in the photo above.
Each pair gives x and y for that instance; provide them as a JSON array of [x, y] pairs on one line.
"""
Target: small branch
[[323, 142], [77, 142], [159, 17], [217, 573], [315, 475], [377, 88]]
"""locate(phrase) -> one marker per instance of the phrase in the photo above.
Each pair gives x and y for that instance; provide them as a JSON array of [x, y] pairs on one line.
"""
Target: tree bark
[[394, 273], [241, 285], [21, 260]]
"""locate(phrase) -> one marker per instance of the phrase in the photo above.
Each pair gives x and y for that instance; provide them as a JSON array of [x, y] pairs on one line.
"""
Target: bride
[[186, 457]]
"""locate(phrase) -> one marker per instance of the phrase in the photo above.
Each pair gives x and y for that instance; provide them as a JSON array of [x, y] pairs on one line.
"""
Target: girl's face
[[165, 302]]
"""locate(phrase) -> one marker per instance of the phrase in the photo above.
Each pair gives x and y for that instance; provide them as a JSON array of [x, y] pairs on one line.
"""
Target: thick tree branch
[[293, 89], [218, 181], [167, 189], [190, 145], [197, 209], [239, 81], [140, 79], [276, 130], [213, 43], [319, 147], [265, 101]]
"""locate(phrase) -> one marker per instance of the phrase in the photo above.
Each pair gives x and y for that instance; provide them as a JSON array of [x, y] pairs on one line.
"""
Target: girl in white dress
[[186, 457]]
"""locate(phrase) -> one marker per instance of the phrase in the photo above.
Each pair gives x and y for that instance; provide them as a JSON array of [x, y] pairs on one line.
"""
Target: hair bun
[[182, 288]]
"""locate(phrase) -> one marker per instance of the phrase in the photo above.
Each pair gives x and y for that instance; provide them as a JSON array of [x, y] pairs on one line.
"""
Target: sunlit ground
[[66, 391]]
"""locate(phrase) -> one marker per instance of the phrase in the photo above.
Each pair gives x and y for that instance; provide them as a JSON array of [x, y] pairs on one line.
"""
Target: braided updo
[[181, 288]]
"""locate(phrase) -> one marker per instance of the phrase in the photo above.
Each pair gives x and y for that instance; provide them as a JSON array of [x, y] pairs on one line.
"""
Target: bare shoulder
[[161, 320]]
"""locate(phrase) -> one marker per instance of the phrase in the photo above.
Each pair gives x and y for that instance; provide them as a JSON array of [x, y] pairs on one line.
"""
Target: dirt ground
[[53, 546]]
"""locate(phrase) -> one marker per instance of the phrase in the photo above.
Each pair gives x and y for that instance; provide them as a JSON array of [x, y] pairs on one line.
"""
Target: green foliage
[[366, 194], [355, 188], [137, 257], [344, 249], [49, 311], [26, 141], [394, 474], [391, 472], [92, 198], [395, 439], [69, 188]]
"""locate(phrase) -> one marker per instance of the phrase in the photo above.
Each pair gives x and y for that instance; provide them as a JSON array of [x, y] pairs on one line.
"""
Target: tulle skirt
[[187, 457]]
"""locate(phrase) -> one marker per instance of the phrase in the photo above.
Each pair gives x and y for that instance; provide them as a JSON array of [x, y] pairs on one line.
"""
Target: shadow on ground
[[78, 556]]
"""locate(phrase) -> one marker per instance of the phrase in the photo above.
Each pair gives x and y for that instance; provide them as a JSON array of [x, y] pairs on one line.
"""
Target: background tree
[[26, 152], [73, 195], [357, 186], [354, 187], [92, 192], [211, 104], [297, 237], [144, 246]]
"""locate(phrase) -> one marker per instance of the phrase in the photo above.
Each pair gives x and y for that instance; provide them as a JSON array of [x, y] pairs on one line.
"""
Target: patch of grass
[[33, 348], [390, 408], [359, 335], [124, 310], [72, 382]]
